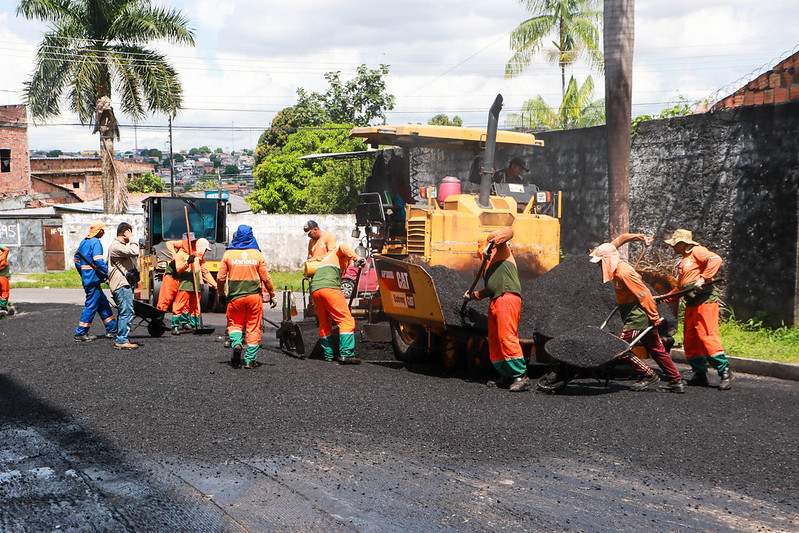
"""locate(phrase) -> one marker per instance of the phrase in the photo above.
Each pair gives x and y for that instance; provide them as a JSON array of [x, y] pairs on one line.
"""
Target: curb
[[772, 369]]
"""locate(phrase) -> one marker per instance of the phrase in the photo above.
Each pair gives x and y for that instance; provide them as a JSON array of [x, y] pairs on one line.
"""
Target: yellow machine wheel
[[409, 341]]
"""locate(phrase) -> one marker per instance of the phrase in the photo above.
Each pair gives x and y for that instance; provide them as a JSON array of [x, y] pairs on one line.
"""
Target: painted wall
[[25, 240], [280, 236]]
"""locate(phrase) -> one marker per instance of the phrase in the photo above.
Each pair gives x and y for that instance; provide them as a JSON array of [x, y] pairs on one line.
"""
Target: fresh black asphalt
[[171, 438]]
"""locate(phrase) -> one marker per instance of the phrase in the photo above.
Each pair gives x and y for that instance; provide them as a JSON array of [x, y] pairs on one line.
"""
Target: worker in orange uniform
[[701, 338], [321, 242], [243, 269], [331, 306], [638, 312], [169, 286], [191, 269], [502, 285], [5, 274]]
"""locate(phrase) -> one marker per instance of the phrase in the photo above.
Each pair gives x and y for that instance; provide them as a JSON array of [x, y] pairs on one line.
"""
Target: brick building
[[777, 86], [65, 180], [14, 164]]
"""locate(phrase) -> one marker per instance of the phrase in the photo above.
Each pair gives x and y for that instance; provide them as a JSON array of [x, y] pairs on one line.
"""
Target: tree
[[286, 184], [178, 158], [231, 170], [574, 25], [577, 109], [219, 151], [154, 152], [443, 120], [147, 182], [357, 101], [93, 47], [55, 153]]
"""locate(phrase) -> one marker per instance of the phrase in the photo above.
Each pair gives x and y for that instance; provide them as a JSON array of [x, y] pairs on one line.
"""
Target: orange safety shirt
[[244, 270], [319, 248], [700, 262], [636, 305]]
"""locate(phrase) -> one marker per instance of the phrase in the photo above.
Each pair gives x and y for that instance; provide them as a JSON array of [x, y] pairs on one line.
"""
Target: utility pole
[[171, 161], [618, 44]]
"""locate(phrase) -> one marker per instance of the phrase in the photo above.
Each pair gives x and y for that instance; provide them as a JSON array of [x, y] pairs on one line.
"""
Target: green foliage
[[69, 279], [292, 280], [178, 158], [54, 153], [147, 182], [443, 120], [219, 151], [153, 152], [286, 184], [681, 109], [752, 340], [357, 101], [231, 170], [577, 110], [186, 187], [572, 26]]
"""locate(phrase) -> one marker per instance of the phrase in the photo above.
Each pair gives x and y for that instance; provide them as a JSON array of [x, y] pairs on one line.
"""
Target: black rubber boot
[[698, 380], [726, 376]]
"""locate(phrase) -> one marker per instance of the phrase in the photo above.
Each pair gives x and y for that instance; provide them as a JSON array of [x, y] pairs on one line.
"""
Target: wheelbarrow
[[584, 348], [151, 316]]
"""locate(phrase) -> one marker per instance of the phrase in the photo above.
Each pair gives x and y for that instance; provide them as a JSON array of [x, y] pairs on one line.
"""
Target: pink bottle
[[449, 185]]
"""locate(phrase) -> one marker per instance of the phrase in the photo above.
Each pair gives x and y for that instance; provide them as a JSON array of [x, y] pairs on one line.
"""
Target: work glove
[[190, 260], [272, 301], [360, 262], [468, 296], [698, 284]]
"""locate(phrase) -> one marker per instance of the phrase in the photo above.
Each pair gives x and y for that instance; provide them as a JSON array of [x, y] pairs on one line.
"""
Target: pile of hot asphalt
[[569, 296]]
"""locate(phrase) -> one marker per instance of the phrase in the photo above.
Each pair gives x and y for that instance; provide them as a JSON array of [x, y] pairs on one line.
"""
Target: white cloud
[[445, 56]]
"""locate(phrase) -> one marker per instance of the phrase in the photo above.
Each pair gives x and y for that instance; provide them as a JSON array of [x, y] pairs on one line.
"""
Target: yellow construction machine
[[406, 220], [165, 220]]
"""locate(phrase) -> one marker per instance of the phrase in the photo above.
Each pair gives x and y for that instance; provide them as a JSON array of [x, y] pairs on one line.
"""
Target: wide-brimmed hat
[[95, 228], [681, 235]]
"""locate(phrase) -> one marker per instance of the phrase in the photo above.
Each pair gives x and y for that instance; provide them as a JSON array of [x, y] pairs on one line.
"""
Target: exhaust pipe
[[487, 172]]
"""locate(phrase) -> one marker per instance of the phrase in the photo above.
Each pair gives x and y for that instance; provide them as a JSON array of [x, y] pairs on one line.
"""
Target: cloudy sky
[[445, 56]]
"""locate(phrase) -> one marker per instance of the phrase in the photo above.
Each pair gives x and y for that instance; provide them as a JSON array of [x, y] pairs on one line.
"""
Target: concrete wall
[[282, 240], [25, 239], [76, 226], [280, 236]]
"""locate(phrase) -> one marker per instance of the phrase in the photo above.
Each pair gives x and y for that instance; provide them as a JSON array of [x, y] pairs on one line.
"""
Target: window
[[75, 185], [5, 160]]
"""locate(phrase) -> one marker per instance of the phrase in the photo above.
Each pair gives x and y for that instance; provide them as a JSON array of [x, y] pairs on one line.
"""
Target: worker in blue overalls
[[93, 271]]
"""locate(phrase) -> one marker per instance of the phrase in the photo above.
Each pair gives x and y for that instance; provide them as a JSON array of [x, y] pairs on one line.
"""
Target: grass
[[291, 279], [55, 280], [71, 280], [753, 340]]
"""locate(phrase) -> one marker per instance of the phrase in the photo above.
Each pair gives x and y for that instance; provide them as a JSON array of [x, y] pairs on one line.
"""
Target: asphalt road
[[171, 438]]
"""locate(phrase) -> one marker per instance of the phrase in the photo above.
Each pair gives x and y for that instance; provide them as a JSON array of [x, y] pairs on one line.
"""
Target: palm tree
[[577, 109], [94, 45], [574, 25]]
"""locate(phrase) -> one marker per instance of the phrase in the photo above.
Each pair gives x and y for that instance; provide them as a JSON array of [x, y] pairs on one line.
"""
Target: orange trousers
[[245, 314], [503, 335], [5, 290], [332, 306], [185, 304], [701, 325], [169, 288]]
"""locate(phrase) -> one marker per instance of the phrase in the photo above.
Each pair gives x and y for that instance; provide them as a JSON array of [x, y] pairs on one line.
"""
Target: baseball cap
[[311, 224], [519, 161]]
